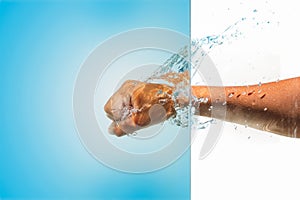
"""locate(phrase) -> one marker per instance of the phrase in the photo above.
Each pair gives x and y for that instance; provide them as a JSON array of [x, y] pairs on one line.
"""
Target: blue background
[[42, 46]]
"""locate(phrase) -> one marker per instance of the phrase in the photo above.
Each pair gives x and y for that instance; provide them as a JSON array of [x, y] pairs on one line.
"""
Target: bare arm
[[272, 107]]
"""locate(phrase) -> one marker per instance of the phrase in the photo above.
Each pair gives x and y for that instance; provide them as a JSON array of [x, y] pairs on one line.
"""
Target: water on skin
[[179, 64], [177, 68]]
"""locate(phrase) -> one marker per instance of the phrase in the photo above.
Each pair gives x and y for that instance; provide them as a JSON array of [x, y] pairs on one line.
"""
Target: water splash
[[175, 70]]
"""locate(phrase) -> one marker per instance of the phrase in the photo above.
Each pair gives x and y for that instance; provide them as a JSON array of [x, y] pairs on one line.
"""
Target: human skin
[[272, 107], [151, 103]]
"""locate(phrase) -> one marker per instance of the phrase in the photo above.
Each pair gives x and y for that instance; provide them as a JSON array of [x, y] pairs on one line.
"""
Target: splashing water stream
[[176, 70]]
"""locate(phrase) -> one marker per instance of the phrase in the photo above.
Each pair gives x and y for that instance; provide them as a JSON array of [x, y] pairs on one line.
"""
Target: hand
[[137, 105]]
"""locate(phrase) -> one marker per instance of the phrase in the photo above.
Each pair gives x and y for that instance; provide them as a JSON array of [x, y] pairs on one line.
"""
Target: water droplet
[[250, 93], [259, 84], [193, 109], [262, 96], [134, 134], [295, 132], [265, 109], [210, 108], [205, 100], [224, 103], [230, 94], [159, 92], [162, 101]]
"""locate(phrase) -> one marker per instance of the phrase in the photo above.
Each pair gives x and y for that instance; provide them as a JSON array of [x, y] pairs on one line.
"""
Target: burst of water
[[175, 71]]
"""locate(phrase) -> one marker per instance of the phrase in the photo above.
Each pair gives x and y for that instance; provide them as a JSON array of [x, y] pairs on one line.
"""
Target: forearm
[[273, 107]]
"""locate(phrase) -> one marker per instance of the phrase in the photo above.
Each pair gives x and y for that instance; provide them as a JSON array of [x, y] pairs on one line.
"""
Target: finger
[[121, 99], [115, 106], [114, 129], [124, 127], [156, 114]]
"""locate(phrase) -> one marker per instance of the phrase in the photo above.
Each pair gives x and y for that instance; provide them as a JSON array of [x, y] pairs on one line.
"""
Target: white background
[[247, 163]]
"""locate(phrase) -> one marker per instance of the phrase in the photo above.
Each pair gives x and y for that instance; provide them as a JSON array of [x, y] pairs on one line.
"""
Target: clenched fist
[[137, 105]]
